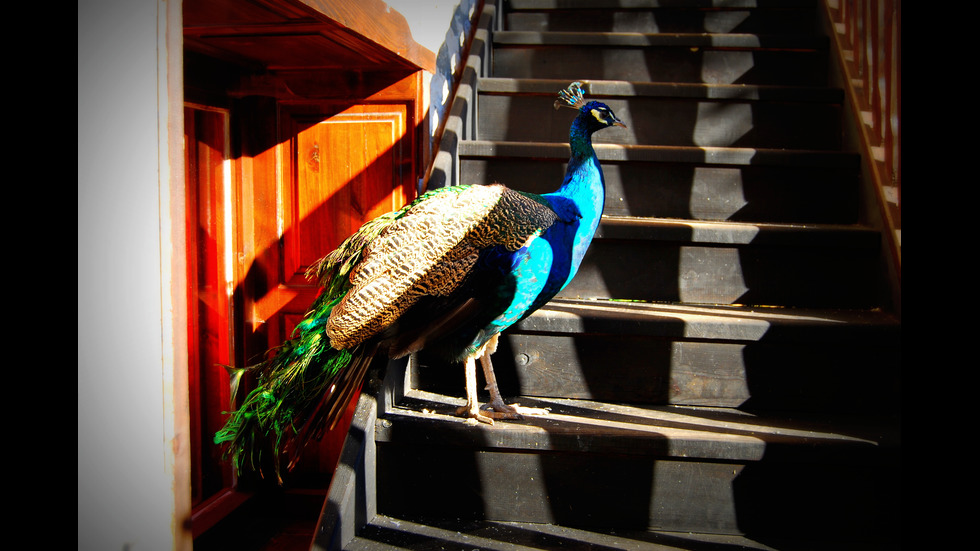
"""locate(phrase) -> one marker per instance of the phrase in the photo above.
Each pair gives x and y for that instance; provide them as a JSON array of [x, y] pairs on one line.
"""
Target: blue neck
[[584, 185], [583, 192]]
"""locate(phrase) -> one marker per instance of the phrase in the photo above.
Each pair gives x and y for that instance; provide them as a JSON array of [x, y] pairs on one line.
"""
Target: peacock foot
[[499, 410], [473, 412]]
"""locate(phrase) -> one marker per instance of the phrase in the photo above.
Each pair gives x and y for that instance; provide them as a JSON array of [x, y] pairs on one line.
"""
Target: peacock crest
[[571, 97]]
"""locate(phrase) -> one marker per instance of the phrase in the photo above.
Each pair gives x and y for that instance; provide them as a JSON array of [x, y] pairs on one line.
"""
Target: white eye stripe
[[604, 115]]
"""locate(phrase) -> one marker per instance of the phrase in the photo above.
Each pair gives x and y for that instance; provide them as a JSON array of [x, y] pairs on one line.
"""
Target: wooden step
[[785, 17], [596, 465], [655, 260], [642, 57], [387, 533], [735, 184], [668, 354], [668, 114]]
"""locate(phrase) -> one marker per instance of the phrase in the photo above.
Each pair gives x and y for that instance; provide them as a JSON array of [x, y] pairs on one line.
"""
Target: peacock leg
[[496, 407], [472, 407]]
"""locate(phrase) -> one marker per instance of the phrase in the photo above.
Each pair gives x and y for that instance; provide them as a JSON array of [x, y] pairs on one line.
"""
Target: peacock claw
[[473, 413], [500, 410]]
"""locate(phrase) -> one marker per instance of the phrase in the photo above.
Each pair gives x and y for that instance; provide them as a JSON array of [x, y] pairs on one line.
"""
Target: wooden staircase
[[724, 371]]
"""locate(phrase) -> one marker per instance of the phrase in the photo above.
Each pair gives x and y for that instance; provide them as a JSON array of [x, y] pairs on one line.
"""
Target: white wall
[[126, 454], [439, 26], [428, 20]]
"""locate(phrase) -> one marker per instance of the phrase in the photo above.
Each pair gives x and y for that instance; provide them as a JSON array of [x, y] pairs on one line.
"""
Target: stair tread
[[385, 533], [783, 17], [388, 533], [724, 58], [723, 322], [737, 323], [733, 156], [624, 89], [638, 40], [737, 233], [517, 5], [585, 426]]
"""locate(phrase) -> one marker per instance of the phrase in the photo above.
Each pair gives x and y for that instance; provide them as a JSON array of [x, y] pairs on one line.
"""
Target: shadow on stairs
[[724, 372]]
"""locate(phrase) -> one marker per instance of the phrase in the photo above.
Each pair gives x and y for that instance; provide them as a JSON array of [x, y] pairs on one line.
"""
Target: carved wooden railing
[[869, 38]]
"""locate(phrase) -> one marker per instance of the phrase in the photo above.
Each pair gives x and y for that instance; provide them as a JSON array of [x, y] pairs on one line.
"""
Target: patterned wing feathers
[[430, 250]]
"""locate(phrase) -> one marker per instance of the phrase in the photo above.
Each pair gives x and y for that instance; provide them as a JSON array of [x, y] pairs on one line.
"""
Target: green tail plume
[[304, 388], [295, 392]]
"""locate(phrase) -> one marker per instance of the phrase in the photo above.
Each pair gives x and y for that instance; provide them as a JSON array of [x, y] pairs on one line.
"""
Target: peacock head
[[595, 114]]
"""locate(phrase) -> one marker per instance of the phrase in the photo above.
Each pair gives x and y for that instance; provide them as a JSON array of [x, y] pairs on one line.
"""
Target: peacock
[[447, 273]]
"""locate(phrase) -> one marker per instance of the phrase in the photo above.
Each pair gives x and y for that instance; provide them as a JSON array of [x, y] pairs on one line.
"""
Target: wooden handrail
[[869, 38]]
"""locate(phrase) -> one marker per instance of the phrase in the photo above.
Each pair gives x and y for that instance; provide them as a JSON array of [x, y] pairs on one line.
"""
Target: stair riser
[[763, 375], [670, 122], [690, 191], [630, 492], [688, 273], [790, 21], [661, 64]]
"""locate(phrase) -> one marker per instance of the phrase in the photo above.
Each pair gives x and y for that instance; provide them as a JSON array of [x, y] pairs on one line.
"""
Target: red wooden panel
[[209, 320], [347, 171]]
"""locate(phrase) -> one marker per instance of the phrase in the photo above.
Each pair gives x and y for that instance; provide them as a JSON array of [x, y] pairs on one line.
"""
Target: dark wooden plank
[[780, 360], [384, 533], [679, 90], [686, 183], [571, 490], [654, 4], [634, 17], [669, 473], [647, 40], [716, 59], [672, 121], [714, 156], [774, 194], [665, 272]]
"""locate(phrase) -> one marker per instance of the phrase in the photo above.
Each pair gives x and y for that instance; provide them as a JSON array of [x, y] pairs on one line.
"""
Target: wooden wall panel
[[210, 338], [346, 170]]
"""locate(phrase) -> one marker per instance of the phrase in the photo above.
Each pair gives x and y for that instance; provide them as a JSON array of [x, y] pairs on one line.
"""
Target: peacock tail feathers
[[292, 394], [301, 389]]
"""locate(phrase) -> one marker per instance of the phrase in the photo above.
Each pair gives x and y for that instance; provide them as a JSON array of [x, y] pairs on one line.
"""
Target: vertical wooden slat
[[874, 61], [210, 332], [895, 93], [869, 31]]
